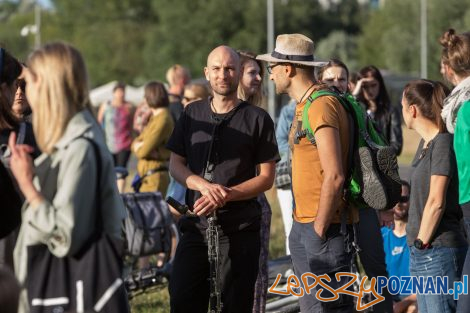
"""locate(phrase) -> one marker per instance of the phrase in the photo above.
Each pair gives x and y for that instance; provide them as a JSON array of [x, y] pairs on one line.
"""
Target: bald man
[[224, 151]]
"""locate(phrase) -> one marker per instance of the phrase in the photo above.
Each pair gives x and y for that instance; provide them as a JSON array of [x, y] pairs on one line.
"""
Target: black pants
[[121, 158], [239, 258], [372, 253]]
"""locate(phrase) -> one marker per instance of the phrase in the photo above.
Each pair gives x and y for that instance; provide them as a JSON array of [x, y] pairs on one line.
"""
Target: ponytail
[[439, 93], [429, 97]]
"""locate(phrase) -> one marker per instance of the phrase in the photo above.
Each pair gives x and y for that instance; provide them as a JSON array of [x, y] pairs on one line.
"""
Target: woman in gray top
[[60, 189], [434, 231]]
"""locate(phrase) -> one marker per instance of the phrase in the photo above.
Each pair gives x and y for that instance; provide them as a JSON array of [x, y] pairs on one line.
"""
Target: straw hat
[[292, 48]]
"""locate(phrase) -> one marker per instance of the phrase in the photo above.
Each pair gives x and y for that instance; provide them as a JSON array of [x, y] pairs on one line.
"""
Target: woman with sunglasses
[[12, 96], [193, 92], [10, 69], [370, 90], [434, 233], [20, 105]]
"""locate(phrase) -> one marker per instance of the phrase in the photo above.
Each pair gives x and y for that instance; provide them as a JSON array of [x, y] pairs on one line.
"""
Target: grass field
[[157, 301]]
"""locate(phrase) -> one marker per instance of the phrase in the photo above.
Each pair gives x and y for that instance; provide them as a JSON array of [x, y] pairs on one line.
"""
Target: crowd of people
[[212, 146]]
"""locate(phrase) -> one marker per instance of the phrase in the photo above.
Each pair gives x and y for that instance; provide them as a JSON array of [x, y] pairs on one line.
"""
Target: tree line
[[137, 40]]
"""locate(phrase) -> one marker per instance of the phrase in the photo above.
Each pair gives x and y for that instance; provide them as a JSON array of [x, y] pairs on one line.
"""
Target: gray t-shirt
[[438, 159]]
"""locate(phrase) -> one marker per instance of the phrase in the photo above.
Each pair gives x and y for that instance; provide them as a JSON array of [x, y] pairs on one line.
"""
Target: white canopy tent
[[105, 93]]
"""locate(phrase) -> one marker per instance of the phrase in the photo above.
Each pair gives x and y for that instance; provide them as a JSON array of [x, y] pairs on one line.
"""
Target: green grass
[[158, 301]]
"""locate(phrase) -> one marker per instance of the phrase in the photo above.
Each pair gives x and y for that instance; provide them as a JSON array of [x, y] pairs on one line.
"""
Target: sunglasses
[[21, 83], [188, 99], [404, 199], [270, 67]]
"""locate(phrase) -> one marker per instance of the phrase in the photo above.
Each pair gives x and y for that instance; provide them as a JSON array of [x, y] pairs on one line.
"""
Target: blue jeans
[[437, 261], [463, 304], [310, 253]]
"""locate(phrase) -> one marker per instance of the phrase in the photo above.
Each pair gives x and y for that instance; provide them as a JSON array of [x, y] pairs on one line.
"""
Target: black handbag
[[89, 281], [10, 214]]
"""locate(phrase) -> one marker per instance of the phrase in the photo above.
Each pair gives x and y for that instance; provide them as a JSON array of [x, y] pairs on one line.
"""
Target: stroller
[[149, 231]]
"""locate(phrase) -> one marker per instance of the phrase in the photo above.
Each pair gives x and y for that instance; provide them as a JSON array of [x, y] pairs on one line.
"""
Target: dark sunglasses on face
[[404, 199], [188, 99], [21, 83]]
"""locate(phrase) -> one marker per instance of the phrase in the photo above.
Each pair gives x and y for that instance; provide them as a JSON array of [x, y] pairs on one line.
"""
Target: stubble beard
[[225, 91]]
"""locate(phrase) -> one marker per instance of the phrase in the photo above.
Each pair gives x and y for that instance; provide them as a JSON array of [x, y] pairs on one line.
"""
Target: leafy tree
[[391, 37], [137, 40], [339, 45], [189, 29], [109, 33]]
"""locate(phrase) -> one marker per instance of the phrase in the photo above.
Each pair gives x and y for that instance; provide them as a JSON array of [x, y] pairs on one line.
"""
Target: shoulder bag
[[89, 281]]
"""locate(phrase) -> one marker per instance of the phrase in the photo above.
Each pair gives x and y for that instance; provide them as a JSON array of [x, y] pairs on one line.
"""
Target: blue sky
[[46, 3]]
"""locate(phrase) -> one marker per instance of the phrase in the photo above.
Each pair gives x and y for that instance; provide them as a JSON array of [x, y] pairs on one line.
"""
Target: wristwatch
[[420, 245]]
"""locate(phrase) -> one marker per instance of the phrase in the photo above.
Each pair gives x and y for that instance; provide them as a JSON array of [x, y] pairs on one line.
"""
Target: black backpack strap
[[99, 166]]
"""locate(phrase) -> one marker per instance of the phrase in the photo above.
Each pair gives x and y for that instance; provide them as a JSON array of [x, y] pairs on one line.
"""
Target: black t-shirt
[[438, 159], [244, 138]]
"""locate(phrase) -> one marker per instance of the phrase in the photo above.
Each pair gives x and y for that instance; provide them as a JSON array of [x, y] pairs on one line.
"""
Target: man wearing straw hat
[[318, 242]]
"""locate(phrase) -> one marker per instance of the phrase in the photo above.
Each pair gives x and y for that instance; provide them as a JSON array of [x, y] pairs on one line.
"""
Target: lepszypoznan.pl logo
[[405, 285]]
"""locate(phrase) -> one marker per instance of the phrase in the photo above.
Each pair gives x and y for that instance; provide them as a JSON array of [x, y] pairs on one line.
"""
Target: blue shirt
[[397, 253], [283, 127]]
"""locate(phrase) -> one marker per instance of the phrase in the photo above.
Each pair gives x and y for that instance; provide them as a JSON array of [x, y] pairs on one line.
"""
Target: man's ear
[[206, 73], [289, 70]]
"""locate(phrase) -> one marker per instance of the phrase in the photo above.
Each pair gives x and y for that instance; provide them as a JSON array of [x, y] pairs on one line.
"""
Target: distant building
[[326, 4]]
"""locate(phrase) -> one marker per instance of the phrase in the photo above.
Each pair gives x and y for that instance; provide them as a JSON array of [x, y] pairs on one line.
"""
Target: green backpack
[[372, 178]]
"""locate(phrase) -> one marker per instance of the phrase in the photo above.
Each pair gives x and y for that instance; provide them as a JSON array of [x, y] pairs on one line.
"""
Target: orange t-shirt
[[307, 173]]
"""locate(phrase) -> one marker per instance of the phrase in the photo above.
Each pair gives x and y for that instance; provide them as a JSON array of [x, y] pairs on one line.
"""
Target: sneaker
[[373, 190], [387, 164]]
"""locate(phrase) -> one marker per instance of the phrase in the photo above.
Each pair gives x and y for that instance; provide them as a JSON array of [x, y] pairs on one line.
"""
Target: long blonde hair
[[257, 98], [63, 91]]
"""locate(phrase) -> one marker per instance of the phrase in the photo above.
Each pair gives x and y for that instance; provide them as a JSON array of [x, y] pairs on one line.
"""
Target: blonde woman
[[250, 88], [61, 188]]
